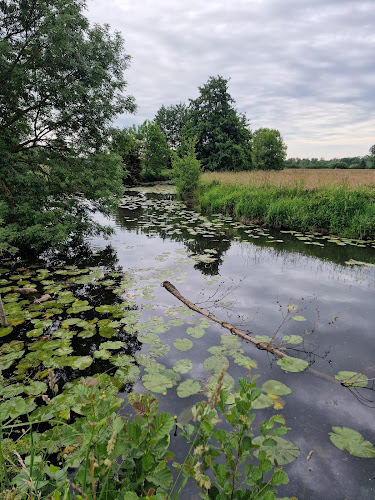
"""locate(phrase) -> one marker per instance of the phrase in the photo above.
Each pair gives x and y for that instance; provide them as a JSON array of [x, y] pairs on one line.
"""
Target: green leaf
[[80, 362], [196, 332], [159, 349], [299, 318], [215, 363], [276, 387], [352, 379], [188, 388], [148, 338], [183, 366], [117, 344], [293, 339], [162, 478], [292, 364], [5, 331], [156, 382], [35, 388], [183, 344], [284, 452], [279, 477], [348, 439]]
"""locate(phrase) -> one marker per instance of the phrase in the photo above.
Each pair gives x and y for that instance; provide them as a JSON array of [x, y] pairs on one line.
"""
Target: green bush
[[186, 170]]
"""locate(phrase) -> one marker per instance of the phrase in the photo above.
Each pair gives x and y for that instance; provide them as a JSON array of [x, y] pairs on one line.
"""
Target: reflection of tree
[[83, 255]]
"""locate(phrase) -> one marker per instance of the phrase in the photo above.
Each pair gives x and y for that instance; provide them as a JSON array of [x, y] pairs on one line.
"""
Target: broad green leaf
[[183, 344], [80, 362], [215, 363], [263, 338], [289, 364], [279, 477], [156, 382], [348, 439], [276, 387], [183, 366], [148, 338], [352, 379], [293, 339], [284, 452], [159, 349], [117, 344], [299, 318], [261, 402], [188, 388], [196, 332], [5, 331]]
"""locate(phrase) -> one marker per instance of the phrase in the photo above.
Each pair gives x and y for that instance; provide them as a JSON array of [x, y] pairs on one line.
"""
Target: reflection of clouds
[[303, 67]]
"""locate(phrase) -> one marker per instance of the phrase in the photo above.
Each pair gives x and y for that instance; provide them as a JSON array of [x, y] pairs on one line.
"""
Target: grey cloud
[[304, 67]]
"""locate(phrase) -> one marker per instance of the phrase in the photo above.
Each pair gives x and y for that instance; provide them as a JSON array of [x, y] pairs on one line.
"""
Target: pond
[[311, 295]]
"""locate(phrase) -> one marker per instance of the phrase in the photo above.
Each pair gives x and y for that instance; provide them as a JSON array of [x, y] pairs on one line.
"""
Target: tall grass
[[341, 206]]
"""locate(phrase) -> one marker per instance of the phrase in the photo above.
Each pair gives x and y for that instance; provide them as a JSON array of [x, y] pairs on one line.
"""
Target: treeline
[[342, 163], [222, 137]]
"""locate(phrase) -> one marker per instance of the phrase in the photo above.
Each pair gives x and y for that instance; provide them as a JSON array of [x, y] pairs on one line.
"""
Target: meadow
[[327, 201]]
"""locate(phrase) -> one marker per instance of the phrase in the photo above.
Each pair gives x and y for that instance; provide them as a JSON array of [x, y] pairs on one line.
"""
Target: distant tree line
[[222, 137], [341, 163]]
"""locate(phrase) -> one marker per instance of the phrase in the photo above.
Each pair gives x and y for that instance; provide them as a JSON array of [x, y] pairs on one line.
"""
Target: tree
[[126, 143], [269, 149], [155, 152], [186, 170], [61, 84], [171, 120], [223, 135]]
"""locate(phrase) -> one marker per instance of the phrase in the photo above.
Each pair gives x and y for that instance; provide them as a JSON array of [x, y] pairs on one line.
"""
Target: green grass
[[345, 211]]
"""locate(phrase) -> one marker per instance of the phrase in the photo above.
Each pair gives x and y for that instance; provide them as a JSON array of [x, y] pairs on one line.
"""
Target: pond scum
[[71, 425], [322, 201]]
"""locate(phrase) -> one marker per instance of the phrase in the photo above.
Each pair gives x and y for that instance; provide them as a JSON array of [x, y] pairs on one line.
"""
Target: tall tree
[[269, 149], [372, 156], [171, 119], [223, 135], [61, 83]]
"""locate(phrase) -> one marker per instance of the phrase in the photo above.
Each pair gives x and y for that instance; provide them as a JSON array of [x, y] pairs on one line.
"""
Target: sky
[[303, 67]]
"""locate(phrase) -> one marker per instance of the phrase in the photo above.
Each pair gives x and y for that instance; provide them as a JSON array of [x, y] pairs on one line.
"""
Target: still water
[[248, 276]]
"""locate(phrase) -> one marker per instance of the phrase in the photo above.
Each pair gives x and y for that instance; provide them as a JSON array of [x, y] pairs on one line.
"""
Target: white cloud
[[304, 67]]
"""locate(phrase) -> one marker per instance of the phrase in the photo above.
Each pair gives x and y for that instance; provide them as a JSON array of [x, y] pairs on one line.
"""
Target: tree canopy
[[223, 135], [269, 149], [61, 84], [171, 120]]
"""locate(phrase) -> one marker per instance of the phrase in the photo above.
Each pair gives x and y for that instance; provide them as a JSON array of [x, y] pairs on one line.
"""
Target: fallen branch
[[260, 345]]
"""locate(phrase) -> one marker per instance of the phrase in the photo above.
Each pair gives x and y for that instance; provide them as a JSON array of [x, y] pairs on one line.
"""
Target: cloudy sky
[[304, 67]]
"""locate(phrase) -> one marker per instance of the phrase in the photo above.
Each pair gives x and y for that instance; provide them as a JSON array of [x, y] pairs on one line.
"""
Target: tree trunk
[[3, 318]]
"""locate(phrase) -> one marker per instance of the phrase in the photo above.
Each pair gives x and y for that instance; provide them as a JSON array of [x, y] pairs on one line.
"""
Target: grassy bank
[[341, 203]]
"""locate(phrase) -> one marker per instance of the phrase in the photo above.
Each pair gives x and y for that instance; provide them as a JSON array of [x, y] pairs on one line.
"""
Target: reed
[[339, 202]]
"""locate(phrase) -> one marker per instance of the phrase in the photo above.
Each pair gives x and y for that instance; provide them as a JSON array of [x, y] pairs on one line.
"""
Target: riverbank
[[339, 205]]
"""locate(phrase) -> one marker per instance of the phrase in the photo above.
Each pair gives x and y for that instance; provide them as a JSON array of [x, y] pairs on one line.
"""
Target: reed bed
[[303, 178], [335, 202]]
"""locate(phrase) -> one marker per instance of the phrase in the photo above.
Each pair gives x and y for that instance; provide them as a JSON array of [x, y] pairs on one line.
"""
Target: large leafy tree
[[171, 120], [61, 84], [223, 135], [372, 156], [269, 149]]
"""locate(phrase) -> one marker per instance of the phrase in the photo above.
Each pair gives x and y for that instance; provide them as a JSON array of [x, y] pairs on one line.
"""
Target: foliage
[[372, 157], [231, 457], [186, 170], [171, 120], [315, 163], [144, 151], [269, 149], [223, 135], [61, 84], [344, 211]]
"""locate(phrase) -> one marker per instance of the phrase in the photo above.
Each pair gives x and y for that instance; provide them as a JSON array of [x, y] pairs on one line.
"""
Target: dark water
[[257, 278], [248, 276]]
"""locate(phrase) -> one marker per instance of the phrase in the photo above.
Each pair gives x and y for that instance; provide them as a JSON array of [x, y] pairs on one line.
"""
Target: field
[[303, 178], [328, 201]]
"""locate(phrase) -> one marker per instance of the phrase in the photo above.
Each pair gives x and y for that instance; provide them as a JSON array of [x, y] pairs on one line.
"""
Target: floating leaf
[[292, 339], [102, 354], [188, 388], [159, 328], [121, 360], [352, 379], [241, 360], [35, 388], [183, 344], [159, 349], [348, 439], [5, 331], [284, 452], [176, 322], [196, 332], [215, 363], [127, 374], [117, 344], [299, 318], [263, 338], [106, 331], [156, 382], [292, 307], [276, 387], [183, 366], [148, 338], [261, 402], [292, 364]]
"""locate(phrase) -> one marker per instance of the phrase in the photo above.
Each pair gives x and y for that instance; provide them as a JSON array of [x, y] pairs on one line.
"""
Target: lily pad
[[352, 379], [148, 338], [197, 332], [183, 344], [183, 366], [117, 344], [156, 382], [5, 331], [289, 364], [284, 452], [352, 441], [261, 402], [159, 349], [215, 363], [176, 322], [293, 339], [80, 362], [263, 338], [188, 388], [276, 387], [299, 318]]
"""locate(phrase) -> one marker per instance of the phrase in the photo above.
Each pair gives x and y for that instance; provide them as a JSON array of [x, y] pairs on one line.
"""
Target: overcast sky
[[304, 67]]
